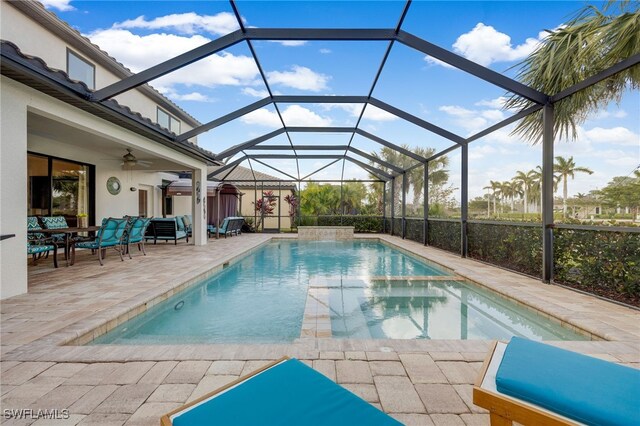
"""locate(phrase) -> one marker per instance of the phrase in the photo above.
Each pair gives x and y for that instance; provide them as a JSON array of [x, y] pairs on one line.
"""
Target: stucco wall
[[33, 39], [18, 103], [13, 192]]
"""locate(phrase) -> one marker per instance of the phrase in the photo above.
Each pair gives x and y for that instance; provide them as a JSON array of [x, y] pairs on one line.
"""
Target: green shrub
[[511, 246], [414, 230], [602, 262], [444, 235], [362, 224]]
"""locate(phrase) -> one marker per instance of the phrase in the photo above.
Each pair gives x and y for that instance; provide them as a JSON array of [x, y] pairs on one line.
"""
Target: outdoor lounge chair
[[167, 229], [285, 392], [235, 225], [223, 230], [135, 233], [533, 383], [111, 234]]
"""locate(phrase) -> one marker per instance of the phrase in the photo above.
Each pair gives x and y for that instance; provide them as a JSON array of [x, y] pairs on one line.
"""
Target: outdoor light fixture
[[133, 189]]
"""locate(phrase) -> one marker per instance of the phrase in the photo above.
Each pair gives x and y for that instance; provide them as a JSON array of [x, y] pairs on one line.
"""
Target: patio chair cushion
[[180, 223], [35, 249], [55, 222], [32, 223], [579, 387], [289, 393], [109, 235]]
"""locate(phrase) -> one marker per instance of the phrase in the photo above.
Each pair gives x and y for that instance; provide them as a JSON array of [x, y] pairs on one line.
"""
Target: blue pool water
[[261, 299]]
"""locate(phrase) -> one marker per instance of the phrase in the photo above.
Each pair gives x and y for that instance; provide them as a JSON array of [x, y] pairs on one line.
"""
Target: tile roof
[[243, 177], [34, 72]]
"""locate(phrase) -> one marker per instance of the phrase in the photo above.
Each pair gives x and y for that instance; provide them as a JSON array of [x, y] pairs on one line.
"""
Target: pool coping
[[63, 345]]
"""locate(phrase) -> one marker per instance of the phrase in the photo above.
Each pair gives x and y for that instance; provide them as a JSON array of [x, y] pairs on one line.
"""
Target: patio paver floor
[[418, 382]]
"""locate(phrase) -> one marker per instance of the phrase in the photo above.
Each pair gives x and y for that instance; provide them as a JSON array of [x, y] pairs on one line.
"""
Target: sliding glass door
[[59, 187]]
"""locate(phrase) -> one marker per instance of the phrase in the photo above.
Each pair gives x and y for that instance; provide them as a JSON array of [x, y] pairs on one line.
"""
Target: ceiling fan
[[130, 160]]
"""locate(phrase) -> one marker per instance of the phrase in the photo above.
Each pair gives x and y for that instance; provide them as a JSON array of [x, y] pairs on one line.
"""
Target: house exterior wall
[[36, 40], [17, 103]]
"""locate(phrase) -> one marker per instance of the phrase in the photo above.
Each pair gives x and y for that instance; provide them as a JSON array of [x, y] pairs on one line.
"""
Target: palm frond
[[591, 42]]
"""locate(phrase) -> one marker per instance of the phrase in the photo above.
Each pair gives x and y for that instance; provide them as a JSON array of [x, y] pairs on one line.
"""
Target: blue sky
[[496, 34]]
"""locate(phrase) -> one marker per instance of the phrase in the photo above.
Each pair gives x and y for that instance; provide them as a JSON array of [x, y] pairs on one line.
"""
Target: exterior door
[[143, 202]]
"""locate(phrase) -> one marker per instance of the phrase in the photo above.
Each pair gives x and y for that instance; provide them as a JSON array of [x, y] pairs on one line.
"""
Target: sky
[[495, 34]]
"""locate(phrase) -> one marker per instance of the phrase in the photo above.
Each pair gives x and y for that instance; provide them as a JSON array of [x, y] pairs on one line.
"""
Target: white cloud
[[301, 78], [613, 136], [61, 5], [496, 103], [193, 96], [433, 61], [325, 51], [290, 43], [485, 45], [141, 52], [187, 23], [374, 113], [602, 114], [293, 115], [250, 91], [470, 120]]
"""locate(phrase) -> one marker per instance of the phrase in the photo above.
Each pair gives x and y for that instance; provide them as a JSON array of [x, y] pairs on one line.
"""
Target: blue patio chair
[[285, 392], [188, 223], [111, 234], [55, 222], [38, 244], [135, 233], [224, 229]]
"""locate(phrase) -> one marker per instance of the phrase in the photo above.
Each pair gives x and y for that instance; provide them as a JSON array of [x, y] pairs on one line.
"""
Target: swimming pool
[[262, 298]]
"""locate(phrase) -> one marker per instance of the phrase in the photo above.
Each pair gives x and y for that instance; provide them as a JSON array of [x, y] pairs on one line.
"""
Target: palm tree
[[589, 43], [494, 186], [525, 181], [566, 168]]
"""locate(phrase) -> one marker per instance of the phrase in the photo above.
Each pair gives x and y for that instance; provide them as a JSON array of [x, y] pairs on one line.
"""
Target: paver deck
[[419, 382]]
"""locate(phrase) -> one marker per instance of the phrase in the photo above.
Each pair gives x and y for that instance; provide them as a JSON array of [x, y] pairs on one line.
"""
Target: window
[[57, 187], [81, 70], [168, 121]]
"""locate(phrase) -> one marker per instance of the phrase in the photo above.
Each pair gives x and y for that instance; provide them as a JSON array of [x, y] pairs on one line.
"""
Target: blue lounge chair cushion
[[579, 387], [288, 394]]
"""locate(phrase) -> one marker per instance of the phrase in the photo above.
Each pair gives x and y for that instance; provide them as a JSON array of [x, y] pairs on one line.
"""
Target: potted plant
[[83, 220]]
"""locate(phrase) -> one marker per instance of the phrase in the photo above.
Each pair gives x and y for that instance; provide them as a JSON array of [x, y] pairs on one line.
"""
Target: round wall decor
[[113, 185]]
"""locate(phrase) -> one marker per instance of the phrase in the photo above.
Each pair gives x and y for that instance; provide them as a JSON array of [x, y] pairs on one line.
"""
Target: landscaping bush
[[362, 224], [605, 263], [397, 227], [444, 235], [511, 246], [414, 229]]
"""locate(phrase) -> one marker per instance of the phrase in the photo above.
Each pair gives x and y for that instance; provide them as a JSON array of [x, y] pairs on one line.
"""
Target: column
[[464, 200], [547, 194], [199, 205]]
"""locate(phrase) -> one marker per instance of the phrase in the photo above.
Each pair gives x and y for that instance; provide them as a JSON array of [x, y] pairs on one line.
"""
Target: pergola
[[381, 169]]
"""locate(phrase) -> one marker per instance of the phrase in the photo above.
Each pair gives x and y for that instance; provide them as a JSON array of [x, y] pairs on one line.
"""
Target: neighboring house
[[62, 152], [252, 184]]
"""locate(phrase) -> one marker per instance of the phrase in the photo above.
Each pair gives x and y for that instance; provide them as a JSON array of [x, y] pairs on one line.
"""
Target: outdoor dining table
[[69, 249]]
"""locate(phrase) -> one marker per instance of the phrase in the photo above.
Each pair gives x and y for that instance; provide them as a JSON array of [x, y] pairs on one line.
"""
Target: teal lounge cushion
[[579, 387], [288, 394]]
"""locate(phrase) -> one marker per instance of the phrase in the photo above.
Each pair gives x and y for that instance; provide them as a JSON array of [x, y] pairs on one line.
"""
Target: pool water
[[261, 299], [402, 309]]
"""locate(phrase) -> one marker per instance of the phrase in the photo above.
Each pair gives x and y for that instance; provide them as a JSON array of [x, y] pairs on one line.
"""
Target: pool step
[[362, 282]]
